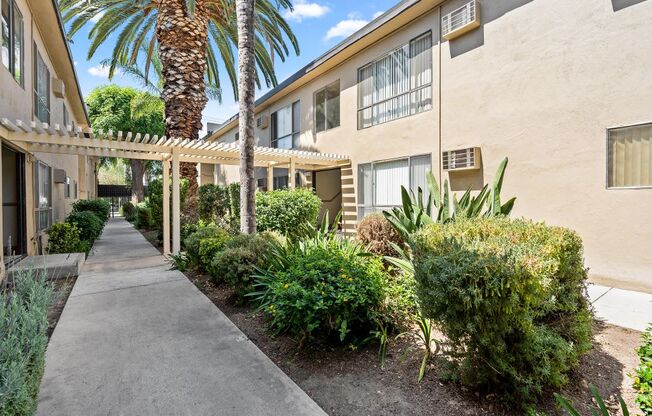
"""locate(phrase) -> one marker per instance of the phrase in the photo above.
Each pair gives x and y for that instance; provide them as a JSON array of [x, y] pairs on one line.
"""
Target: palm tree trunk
[[137, 173], [182, 41], [246, 93]]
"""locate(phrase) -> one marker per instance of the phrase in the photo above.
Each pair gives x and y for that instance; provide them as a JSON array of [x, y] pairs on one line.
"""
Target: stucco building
[[562, 88], [39, 86]]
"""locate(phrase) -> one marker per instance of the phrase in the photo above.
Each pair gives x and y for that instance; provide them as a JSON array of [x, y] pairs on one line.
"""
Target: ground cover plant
[[509, 297], [23, 340], [643, 374]]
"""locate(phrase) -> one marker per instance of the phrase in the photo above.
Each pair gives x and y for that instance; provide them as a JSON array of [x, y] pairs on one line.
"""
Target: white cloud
[[345, 28], [97, 17], [102, 71], [75, 62], [304, 10], [377, 14]]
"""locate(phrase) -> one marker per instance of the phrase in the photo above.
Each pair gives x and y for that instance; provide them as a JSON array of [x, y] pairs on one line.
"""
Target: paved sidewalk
[[136, 338], [621, 307]]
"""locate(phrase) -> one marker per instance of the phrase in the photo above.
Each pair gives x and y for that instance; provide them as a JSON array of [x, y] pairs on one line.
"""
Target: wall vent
[[461, 20], [58, 87], [461, 159], [262, 122]]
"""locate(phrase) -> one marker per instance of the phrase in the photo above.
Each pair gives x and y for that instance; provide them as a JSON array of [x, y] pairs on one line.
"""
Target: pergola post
[[166, 207], [270, 177], [292, 173], [176, 203]]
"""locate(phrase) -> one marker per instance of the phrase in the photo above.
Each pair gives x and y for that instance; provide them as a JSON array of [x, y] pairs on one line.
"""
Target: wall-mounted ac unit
[[461, 20], [262, 122], [461, 159], [59, 176], [58, 87]]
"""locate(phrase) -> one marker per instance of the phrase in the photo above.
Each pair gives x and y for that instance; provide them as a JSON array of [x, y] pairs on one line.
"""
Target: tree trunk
[[183, 41], [137, 173], [246, 93]]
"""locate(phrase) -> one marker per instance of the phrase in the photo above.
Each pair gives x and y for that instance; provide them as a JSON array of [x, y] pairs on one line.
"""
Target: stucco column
[[166, 207], [176, 204]]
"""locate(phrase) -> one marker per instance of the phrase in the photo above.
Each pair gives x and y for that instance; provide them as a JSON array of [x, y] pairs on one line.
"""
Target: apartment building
[[39, 86], [562, 88]]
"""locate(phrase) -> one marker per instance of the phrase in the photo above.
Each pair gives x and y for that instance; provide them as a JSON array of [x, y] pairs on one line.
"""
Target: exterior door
[[13, 204], [328, 187]]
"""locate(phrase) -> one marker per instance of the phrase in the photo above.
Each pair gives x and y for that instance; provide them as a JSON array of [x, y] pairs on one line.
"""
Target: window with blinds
[[379, 183], [42, 196], [397, 85], [286, 126], [41, 88], [12, 27], [629, 162]]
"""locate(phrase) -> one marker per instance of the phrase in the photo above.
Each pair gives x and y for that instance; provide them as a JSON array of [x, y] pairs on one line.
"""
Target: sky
[[317, 24]]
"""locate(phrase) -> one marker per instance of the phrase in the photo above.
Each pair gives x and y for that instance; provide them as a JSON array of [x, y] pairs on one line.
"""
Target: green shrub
[[192, 242], [23, 340], [235, 264], [509, 296], [129, 211], [64, 237], [154, 200], [99, 207], [210, 247], [213, 202], [321, 288], [89, 225], [286, 210], [643, 377], [377, 234], [143, 216]]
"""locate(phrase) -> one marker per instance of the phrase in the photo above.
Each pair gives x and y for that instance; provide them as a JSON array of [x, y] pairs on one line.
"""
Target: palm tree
[[194, 39], [246, 92]]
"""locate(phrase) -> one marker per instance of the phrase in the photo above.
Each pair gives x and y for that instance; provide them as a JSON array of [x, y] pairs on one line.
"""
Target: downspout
[[439, 151]]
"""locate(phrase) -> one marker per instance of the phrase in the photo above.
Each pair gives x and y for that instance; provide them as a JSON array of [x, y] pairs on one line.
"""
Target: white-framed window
[[12, 39], [379, 183], [629, 156], [327, 107], [397, 85], [73, 193], [286, 126], [41, 88], [42, 196]]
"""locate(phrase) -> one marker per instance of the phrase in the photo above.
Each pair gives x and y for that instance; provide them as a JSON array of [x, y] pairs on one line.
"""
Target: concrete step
[[55, 266]]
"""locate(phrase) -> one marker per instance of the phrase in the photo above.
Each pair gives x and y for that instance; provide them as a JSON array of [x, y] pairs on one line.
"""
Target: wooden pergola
[[43, 138]]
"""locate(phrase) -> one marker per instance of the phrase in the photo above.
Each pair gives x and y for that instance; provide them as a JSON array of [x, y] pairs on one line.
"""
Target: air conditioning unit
[[461, 20], [461, 159], [58, 87], [262, 122], [59, 176]]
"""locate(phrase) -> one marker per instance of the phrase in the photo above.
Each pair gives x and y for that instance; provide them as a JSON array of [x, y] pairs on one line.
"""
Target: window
[[286, 126], [327, 107], [379, 183], [43, 196], [12, 39], [73, 193], [629, 162], [396, 85], [41, 88]]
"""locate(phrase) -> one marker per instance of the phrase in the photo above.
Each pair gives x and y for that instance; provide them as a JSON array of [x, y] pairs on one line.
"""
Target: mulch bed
[[62, 289], [347, 383]]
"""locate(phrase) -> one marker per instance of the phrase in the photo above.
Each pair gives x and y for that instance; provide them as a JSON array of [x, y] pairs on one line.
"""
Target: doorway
[[328, 187], [13, 205]]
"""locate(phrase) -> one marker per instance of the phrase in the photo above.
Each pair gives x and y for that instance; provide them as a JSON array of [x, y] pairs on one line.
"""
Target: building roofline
[[360, 34]]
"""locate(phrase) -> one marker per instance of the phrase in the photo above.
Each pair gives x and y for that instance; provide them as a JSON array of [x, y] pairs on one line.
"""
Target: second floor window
[[12, 39], [397, 85], [327, 107], [41, 88], [286, 126]]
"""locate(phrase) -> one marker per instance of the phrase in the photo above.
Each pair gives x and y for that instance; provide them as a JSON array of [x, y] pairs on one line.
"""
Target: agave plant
[[414, 213]]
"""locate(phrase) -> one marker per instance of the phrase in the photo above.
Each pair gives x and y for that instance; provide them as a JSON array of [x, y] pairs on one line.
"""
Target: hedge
[[286, 210], [99, 207], [509, 296]]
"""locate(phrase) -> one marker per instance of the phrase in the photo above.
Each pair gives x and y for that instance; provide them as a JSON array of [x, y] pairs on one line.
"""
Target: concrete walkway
[[621, 307], [136, 338]]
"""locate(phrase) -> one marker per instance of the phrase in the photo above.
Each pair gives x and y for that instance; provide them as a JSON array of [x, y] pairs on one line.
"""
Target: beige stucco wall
[[16, 102], [540, 82]]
